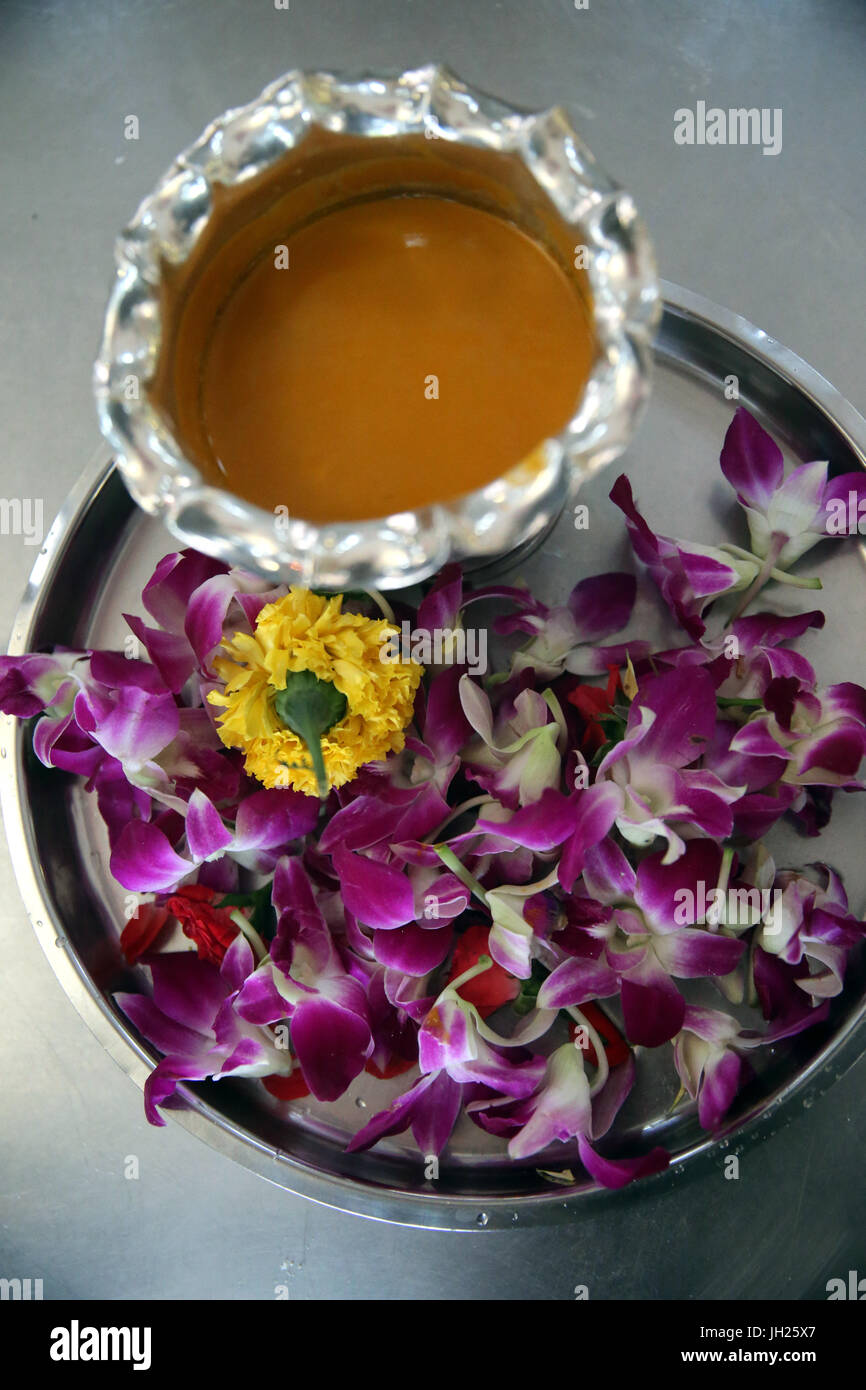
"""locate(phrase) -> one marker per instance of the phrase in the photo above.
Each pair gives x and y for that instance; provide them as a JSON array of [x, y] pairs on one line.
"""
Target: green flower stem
[[724, 875], [526, 890], [737, 550], [767, 572], [260, 950], [483, 963], [555, 708], [603, 1067], [761, 579], [781, 576], [382, 604], [310, 707], [795, 580], [459, 869]]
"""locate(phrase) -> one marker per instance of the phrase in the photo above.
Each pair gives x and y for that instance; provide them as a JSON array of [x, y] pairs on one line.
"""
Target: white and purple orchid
[[689, 577], [786, 515], [567, 638], [517, 754], [193, 1019], [664, 793], [809, 927], [820, 735]]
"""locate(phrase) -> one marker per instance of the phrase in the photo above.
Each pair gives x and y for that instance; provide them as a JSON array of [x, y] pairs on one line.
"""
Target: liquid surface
[[415, 348]]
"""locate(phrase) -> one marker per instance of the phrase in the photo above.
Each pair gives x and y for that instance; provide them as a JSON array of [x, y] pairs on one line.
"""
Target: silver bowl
[[307, 139]]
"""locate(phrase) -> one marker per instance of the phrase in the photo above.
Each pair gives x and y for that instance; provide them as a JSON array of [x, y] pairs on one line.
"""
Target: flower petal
[[413, 949], [618, 1172], [751, 460], [206, 834], [379, 895], [332, 1044], [143, 860], [575, 982]]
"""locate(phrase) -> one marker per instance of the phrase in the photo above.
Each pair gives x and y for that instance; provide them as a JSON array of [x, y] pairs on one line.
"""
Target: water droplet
[[361, 1104], [808, 1102], [514, 1217], [482, 1218]]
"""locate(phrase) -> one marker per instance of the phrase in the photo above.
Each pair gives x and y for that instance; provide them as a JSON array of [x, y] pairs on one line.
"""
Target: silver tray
[[98, 554]]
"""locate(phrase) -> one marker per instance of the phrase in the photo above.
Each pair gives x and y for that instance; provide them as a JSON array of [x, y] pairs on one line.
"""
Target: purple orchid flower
[[567, 638], [580, 820], [145, 859], [671, 720], [454, 1038], [821, 735], [689, 577], [441, 609], [786, 516], [751, 654], [192, 1020], [707, 1053], [709, 1068], [197, 602], [651, 936], [562, 1109], [125, 708], [766, 798], [395, 1032], [429, 1108], [809, 925], [34, 683], [517, 756], [505, 835], [303, 979], [111, 719], [410, 914]]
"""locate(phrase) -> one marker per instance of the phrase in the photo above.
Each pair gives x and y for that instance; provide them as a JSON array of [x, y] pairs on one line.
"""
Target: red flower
[[286, 1087], [591, 701], [211, 928], [488, 992], [141, 931], [395, 1067]]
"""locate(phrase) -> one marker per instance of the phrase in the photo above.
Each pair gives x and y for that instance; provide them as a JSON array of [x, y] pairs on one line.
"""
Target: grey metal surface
[[774, 237]]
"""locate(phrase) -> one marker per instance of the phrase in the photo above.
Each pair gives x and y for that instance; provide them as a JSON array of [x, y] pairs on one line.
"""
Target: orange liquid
[[414, 349]]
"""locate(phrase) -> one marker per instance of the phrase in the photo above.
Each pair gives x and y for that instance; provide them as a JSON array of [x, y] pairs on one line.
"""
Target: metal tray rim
[[389, 1205]]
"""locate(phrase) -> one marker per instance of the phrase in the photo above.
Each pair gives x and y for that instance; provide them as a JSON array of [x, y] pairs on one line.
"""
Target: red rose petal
[[488, 992], [395, 1067], [211, 928], [287, 1087], [141, 931]]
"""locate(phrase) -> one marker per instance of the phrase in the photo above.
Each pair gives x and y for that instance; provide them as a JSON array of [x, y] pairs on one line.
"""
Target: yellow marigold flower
[[306, 632]]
